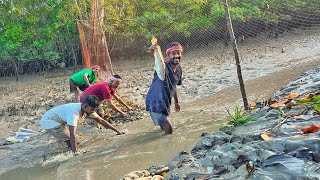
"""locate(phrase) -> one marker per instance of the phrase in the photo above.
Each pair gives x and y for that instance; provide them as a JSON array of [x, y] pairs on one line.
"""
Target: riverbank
[[209, 87], [282, 142]]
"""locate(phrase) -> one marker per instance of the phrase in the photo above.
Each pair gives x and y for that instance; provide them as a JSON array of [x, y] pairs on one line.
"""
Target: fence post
[[236, 55]]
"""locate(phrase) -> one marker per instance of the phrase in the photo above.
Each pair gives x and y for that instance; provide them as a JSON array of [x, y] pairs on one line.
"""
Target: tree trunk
[[104, 40], [85, 52], [74, 57], [15, 63], [236, 55]]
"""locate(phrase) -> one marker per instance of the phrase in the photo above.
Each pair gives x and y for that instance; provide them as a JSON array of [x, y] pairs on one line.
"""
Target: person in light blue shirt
[[168, 74], [61, 122]]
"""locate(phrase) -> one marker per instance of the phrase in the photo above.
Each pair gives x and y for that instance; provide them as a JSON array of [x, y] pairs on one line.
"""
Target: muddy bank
[[282, 142]]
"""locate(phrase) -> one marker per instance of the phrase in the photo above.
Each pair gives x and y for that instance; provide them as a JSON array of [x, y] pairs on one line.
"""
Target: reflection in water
[[37, 172]]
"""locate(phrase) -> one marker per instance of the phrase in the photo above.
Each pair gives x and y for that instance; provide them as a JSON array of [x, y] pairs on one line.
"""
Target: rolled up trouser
[[158, 118]]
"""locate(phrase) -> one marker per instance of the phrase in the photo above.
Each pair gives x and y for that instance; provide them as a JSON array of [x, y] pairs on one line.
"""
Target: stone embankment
[[281, 142]]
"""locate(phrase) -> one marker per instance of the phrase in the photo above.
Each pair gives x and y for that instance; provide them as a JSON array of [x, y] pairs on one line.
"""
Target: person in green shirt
[[82, 80]]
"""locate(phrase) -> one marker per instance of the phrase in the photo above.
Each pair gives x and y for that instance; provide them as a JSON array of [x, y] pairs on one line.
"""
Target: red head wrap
[[95, 67], [174, 48]]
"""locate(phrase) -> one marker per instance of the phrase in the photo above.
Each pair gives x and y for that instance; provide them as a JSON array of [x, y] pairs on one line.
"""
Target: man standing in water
[[167, 76], [82, 80], [61, 121]]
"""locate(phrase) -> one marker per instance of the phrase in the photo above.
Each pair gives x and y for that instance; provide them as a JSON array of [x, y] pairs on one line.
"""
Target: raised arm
[[158, 59]]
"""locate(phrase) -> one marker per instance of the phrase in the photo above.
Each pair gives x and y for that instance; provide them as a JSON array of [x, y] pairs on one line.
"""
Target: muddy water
[[143, 145]]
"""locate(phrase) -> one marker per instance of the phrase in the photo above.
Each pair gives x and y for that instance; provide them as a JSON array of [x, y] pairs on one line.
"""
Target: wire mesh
[[261, 27]]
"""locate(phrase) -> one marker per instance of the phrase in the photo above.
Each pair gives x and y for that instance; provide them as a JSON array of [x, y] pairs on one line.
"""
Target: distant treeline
[[42, 35]]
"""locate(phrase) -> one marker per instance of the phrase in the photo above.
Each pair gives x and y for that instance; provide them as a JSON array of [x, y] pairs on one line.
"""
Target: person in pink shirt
[[105, 91]]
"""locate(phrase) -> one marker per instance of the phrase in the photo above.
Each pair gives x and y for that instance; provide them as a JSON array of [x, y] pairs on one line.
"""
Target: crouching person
[[61, 121]]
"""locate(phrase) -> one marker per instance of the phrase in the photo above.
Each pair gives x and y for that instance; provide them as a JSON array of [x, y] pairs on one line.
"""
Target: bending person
[[82, 80], [61, 121], [105, 91]]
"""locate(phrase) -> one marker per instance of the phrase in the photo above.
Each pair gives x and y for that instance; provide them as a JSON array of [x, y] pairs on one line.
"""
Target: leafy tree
[[45, 32], [32, 29]]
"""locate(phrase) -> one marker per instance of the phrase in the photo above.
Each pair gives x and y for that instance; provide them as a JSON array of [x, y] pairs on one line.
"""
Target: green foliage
[[238, 116], [314, 99], [317, 107], [45, 30], [244, 120], [31, 29], [314, 102]]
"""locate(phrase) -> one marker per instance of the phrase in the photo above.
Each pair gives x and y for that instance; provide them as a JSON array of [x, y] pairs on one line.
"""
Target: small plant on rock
[[281, 113], [238, 117]]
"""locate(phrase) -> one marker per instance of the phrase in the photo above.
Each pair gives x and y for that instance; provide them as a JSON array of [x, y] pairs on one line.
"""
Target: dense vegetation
[[41, 35]]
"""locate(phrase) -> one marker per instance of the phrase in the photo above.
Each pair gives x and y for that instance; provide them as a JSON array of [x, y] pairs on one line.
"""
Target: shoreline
[[244, 152]]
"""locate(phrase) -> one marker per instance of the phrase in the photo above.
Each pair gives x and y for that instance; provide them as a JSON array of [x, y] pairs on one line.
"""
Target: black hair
[[117, 76], [92, 101], [169, 45]]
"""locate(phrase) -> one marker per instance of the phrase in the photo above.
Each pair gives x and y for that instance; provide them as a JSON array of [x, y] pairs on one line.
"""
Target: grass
[[238, 116], [314, 101], [282, 113]]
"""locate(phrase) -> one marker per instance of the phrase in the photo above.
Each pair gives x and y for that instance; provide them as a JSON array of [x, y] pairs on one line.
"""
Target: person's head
[[114, 81], [96, 69], [174, 52], [89, 104]]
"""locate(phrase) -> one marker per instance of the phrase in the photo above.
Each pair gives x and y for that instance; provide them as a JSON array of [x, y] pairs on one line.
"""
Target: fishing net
[[93, 43]]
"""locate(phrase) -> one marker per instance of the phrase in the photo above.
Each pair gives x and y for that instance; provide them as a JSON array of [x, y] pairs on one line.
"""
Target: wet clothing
[[158, 118], [102, 90], [159, 96], [78, 79]]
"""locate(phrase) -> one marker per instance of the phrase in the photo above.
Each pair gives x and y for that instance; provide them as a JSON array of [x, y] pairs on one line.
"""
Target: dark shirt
[[161, 92]]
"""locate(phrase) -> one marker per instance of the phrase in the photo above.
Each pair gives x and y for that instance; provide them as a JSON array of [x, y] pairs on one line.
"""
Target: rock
[[204, 134], [260, 113], [136, 175], [211, 141], [273, 113], [227, 129], [161, 170], [156, 177]]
